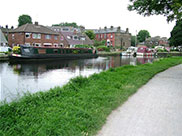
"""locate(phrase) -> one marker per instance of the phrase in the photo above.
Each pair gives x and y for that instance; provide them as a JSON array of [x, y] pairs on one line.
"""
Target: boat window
[[27, 50], [55, 50]]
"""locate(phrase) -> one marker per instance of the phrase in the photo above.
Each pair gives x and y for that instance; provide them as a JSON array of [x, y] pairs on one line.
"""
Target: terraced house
[[33, 35], [70, 36], [114, 36]]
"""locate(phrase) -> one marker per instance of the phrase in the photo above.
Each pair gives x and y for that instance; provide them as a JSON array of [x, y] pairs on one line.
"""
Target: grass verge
[[80, 107]]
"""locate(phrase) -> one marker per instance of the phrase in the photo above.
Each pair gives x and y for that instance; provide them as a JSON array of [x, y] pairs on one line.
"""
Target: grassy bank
[[114, 53], [80, 107]]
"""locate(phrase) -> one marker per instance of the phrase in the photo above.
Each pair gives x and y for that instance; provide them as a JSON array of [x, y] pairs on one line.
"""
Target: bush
[[16, 49], [83, 46], [103, 48], [99, 43]]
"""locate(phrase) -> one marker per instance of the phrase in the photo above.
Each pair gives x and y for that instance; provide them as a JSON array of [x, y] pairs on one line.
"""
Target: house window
[[13, 36], [37, 44], [75, 37], [104, 36], [82, 38], [27, 35], [111, 36], [36, 36], [68, 37], [27, 44], [62, 38], [55, 45], [55, 37], [48, 36]]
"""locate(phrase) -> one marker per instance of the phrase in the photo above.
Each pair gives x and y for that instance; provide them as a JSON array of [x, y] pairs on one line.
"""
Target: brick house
[[33, 35], [157, 41], [114, 36], [70, 36]]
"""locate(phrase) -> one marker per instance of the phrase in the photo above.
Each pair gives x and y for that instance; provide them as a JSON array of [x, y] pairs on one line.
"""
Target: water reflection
[[16, 79]]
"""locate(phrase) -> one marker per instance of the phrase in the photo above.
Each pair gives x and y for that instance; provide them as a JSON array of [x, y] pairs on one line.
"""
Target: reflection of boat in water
[[145, 51], [28, 53], [147, 59], [131, 51]]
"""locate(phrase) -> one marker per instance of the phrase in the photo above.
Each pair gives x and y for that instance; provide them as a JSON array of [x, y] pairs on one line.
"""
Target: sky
[[92, 14]]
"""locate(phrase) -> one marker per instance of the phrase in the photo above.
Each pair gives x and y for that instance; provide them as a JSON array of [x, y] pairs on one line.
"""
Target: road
[[155, 110]]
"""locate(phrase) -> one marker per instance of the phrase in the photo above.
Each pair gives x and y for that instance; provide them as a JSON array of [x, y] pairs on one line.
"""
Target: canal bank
[[81, 106], [114, 53], [155, 110], [3, 57]]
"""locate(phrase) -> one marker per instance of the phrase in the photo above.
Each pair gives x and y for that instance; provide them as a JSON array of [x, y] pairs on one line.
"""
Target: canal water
[[18, 79]]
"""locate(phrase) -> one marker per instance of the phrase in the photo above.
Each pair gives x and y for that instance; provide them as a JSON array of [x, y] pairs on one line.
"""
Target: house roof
[[32, 28], [71, 41], [2, 38], [109, 30]]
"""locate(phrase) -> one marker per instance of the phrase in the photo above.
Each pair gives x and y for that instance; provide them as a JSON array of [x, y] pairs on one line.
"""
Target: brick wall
[[20, 39]]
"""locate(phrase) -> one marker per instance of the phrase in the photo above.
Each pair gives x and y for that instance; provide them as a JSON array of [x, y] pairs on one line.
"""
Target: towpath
[[155, 110]]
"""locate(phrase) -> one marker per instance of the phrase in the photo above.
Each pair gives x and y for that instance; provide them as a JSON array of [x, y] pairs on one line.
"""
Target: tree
[[143, 35], [176, 34], [90, 34], [133, 40], [73, 24], [24, 19], [172, 9]]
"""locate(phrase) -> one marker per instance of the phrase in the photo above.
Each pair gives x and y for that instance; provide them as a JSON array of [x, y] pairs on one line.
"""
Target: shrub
[[16, 49], [83, 46], [103, 48]]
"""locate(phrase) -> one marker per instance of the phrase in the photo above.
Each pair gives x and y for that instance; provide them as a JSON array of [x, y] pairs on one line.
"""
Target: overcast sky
[[90, 13]]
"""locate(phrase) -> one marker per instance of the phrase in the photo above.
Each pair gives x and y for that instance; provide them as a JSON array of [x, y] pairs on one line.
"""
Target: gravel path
[[155, 110]]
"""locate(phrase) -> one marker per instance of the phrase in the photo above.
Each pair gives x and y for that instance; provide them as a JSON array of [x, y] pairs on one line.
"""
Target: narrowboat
[[145, 51], [131, 51], [44, 53]]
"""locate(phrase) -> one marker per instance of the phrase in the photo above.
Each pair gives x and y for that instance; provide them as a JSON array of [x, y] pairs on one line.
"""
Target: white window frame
[[36, 36], [27, 34]]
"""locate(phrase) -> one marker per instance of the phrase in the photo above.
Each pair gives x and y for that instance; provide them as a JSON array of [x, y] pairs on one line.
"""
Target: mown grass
[[80, 107]]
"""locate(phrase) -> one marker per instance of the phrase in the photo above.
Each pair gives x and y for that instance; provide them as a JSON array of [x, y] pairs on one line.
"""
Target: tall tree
[[24, 19], [172, 9], [73, 24], [176, 34], [90, 34], [143, 35], [133, 40]]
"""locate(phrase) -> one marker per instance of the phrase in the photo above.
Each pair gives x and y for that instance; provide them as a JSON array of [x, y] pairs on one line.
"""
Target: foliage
[[83, 46], [176, 34], [172, 9], [73, 24], [99, 43], [75, 51], [143, 35], [79, 108], [133, 40], [24, 19], [103, 48], [90, 34], [16, 49]]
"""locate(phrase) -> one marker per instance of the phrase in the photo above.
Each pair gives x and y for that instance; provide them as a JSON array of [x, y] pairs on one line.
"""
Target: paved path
[[155, 110]]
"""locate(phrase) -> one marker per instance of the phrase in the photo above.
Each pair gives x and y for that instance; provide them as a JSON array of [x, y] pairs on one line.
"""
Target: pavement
[[155, 110]]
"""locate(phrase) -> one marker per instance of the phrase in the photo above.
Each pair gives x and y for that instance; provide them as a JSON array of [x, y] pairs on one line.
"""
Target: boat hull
[[38, 54]]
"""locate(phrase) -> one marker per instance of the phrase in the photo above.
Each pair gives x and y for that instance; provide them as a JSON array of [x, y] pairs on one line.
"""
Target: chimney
[[74, 32], [36, 23], [118, 28], [127, 30], [112, 27], [105, 28]]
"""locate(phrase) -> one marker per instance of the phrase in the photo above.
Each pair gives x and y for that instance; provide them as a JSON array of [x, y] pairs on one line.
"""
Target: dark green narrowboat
[[42, 53]]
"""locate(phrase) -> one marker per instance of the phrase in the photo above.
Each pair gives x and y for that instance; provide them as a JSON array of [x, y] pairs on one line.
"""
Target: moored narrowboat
[[42, 53], [145, 51]]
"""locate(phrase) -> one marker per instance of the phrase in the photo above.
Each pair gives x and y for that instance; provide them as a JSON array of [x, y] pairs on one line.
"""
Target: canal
[[18, 79]]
